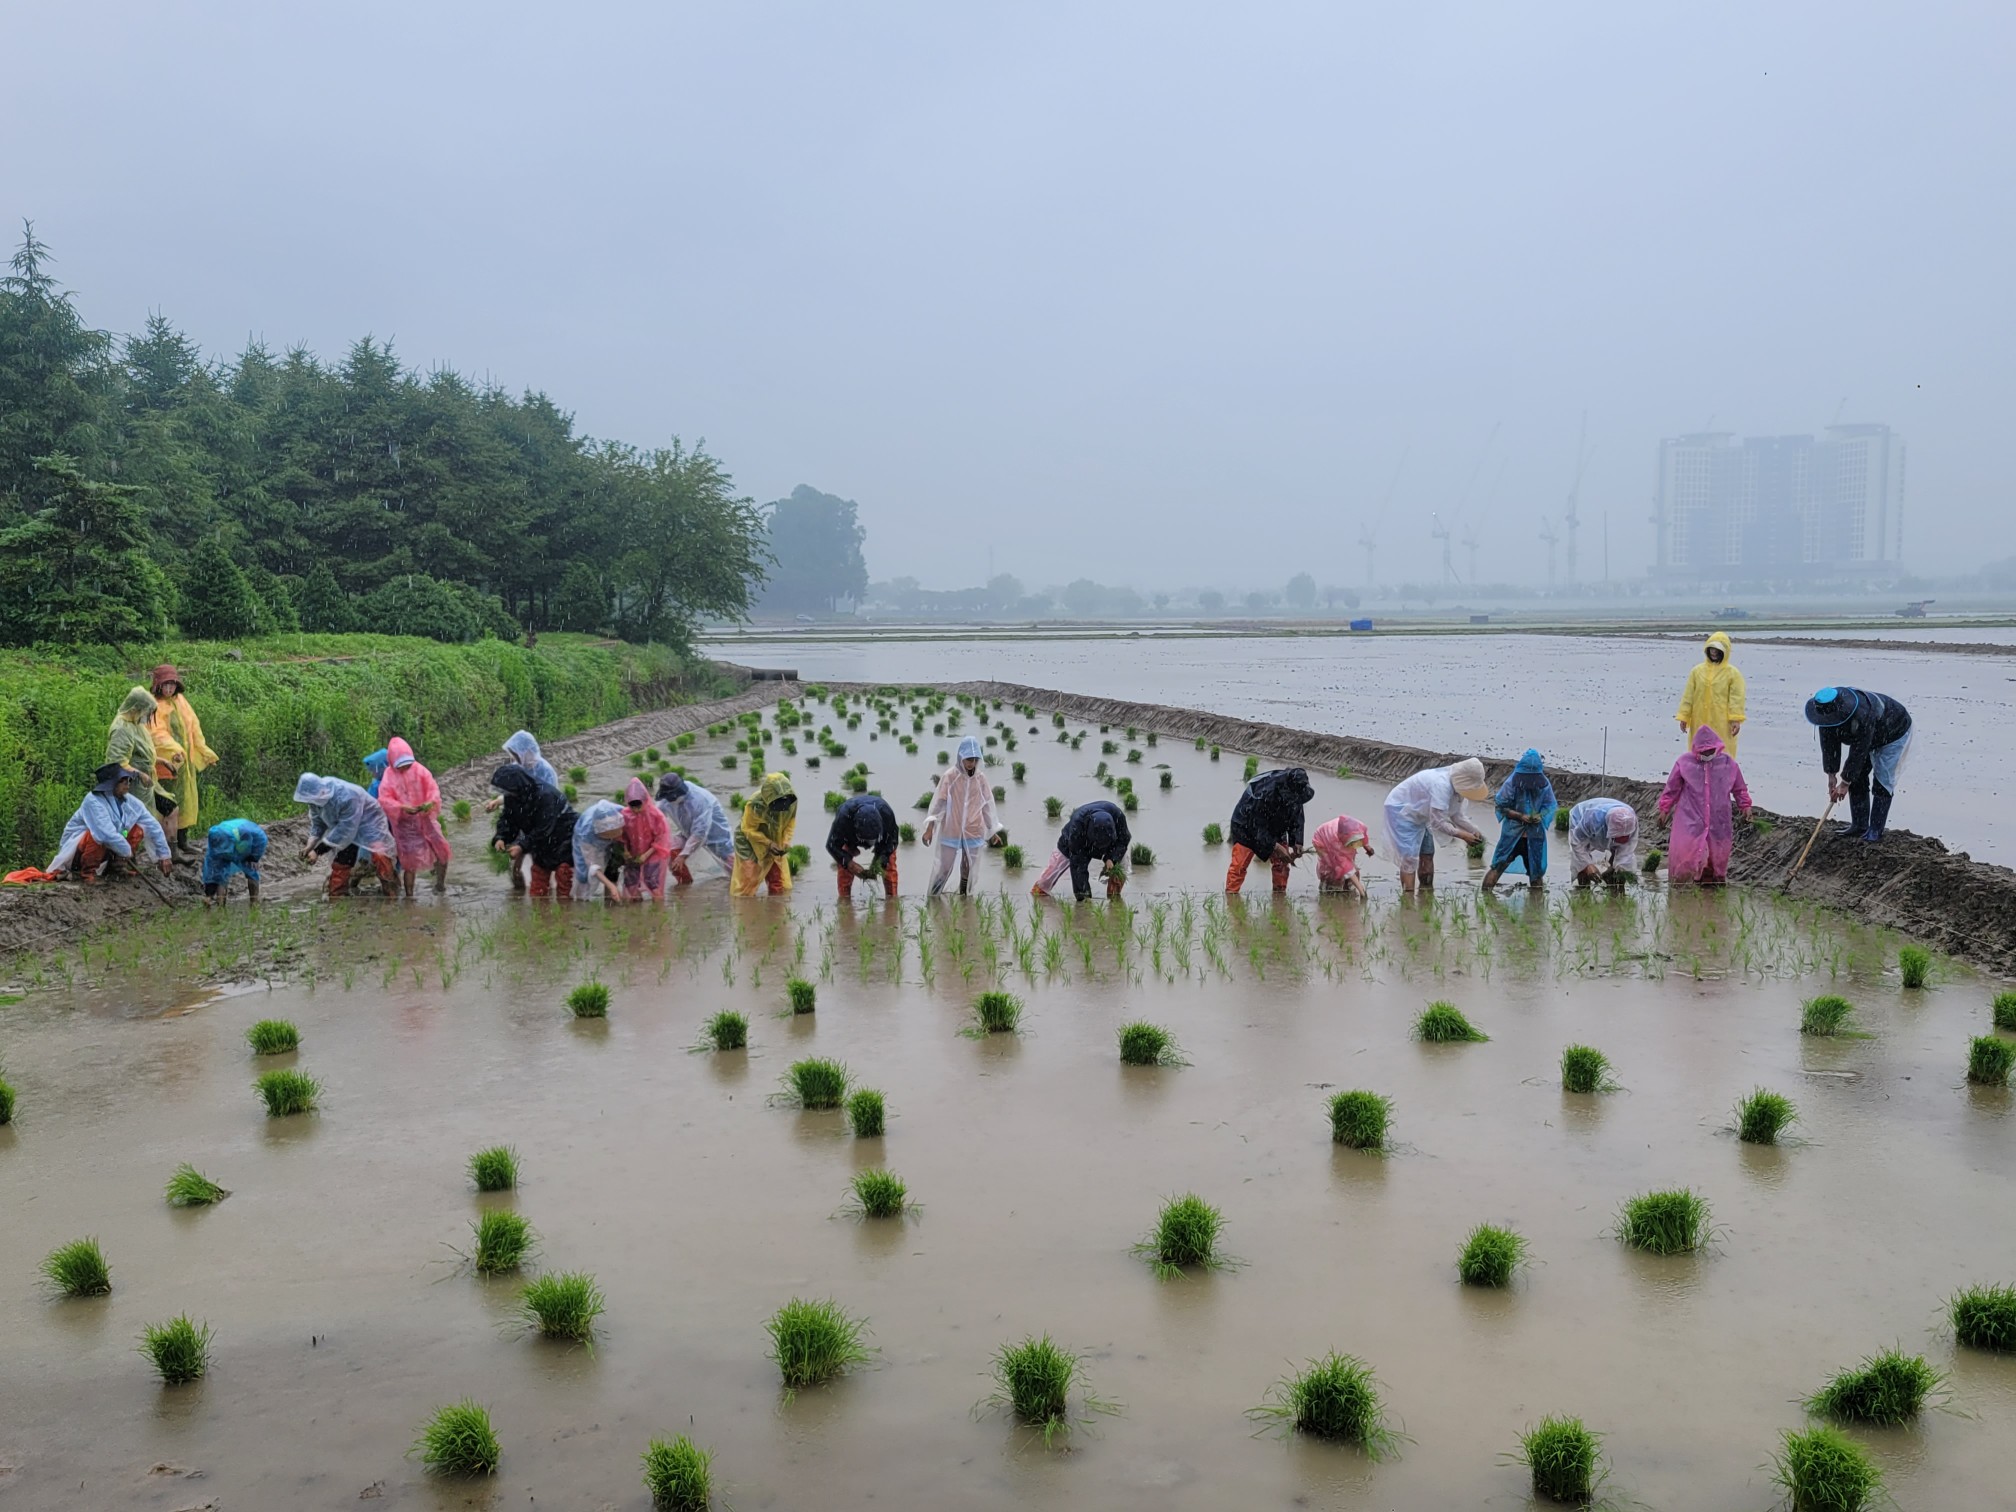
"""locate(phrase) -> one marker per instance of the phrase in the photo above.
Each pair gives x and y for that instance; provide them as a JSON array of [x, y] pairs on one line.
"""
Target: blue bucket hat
[[1832, 706]]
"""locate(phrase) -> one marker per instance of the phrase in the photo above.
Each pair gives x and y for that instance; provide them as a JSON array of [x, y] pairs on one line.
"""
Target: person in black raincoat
[[1864, 737], [864, 822], [1267, 824], [536, 822], [1096, 831]]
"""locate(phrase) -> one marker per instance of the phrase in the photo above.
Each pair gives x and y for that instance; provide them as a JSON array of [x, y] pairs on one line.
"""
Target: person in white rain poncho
[[697, 818], [1602, 838], [597, 834], [962, 819], [345, 823], [104, 828], [1428, 804]]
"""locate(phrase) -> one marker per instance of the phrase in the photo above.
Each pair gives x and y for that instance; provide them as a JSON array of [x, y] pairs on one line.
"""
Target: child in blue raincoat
[[236, 845], [1525, 805]]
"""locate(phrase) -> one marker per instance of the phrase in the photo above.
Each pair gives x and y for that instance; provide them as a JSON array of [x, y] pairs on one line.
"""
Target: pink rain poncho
[[1336, 845], [1702, 798], [647, 843], [411, 799]]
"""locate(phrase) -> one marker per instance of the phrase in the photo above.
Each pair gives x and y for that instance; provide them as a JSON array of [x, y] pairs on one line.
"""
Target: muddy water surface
[[343, 1318]]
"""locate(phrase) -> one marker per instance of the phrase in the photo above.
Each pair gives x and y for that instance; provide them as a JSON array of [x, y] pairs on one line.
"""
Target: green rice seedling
[[1358, 1119], [1474, 849], [1984, 1317], [737, 802], [1886, 1389], [1000, 795], [78, 1269], [1561, 819], [1336, 1397], [879, 1193], [494, 1169], [1490, 1256], [1654, 858], [833, 800], [1444, 1023], [503, 1240], [1013, 857], [189, 1187], [577, 774], [1565, 1459], [1200, 742], [458, 1440], [1019, 770], [728, 1030], [1134, 755], [802, 995], [288, 1092], [817, 1084], [1214, 753], [1665, 1223], [1914, 963], [570, 791], [1146, 1044], [1033, 1380], [1584, 1068], [6, 1101], [857, 784], [562, 1305], [812, 1342], [997, 1012], [1214, 833], [1989, 1060], [1053, 807], [907, 833], [179, 1348], [676, 1474], [1109, 748], [1761, 1116], [2005, 1011], [730, 762], [944, 758], [1824, 1470], [651, 753], [1140, 855], [637, 757], [1825, 1015], [1252, 767], [1057, 720], [1344, 773], [1186, 1235], [864, 1113], [798, 857], [589, 1000], [462, 809], [1130, 801], [273, 1037], [1168, 781]]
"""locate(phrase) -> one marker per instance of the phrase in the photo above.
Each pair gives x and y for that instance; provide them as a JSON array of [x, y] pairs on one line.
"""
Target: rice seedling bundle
[[1168, 781], [503, 1240], [1825, 1015], [1140, 855], [1490, 1256], [1762, 1116], [1033, 1379], [288, 1092], [1053, 807], [1886, 1389], [812, 1342], [818, 1084], [1561, 819], [1252, 767], [1012, 857], [1214, 753], [802, 995], [677, 1474], [1134, 756], [6, 1101], [1914, 964], [1130, 801], [589, 1000], [879, 1193], [1445, 1023], [563, 1305], [1358, 1119], [1336, 1397], [865, 1113], [1989, 1061], [833, 800], [1584, 1068], [728, 1030], [1186, 1234], [189, 1187], [1146, 1044], [1564, 1458], [997, 1012], [798, 857], [1665, 1223], [273, 1037], [458, 1440], [78, 1269], [1824, 1470], [577, 774], [2004, 1009], [494, 1169], [1984, 1317], [907, 833], [179, 1348], [1214, 833], [1474, 849]]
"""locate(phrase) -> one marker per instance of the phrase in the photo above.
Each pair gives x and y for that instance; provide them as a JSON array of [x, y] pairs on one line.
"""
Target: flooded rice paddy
[[344, 1316]]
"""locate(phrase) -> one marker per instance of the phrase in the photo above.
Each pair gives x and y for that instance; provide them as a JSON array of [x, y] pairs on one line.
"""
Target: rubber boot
[[252, 893], [440, 876], [1879, 813], [1858, 814], [339, 880], [681, 873], [1428, 872], [1490, 879], [388, 875], [518, 874]]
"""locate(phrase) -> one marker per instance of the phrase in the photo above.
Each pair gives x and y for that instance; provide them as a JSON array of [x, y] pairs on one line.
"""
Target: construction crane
[[1470, 549], [1441, 533], [1368, 541], [1547, 534], [1572, 515]]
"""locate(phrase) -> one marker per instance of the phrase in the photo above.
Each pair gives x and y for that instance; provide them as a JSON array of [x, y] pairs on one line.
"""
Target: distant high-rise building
[[1776, 507]]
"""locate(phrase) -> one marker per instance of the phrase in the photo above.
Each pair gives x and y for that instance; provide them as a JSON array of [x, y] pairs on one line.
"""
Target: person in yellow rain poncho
[[176, 728], [764, 839], [1714, 695], [130, 742]]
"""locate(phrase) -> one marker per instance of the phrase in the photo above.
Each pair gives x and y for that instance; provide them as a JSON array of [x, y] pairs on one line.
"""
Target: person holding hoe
[[1267, 823], [1864, 738], [106, 828], [864, 822]]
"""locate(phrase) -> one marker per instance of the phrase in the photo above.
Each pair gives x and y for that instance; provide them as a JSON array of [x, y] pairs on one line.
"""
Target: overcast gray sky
[[1149, 292]]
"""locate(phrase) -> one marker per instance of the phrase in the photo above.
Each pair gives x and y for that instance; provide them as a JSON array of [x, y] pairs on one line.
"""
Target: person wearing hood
[[1525, 806], [698, 821], [129, 743], [345, 823], [961, 820], [598, 852], [864, 822], [1864, 738], [523, 749], [763, 840], [536, 823], [176, 729], [1714, 695], [411, 799], [1428, 804], [1338, 844], [647, 844], [1267, 822], [375, 764], [1096, 831], [107, 826], [236, 845], [1602, 839], [1702, 797]]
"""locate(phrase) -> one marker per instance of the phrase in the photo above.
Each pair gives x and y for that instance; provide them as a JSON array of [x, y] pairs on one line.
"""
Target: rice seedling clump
[[494, 1169], [1186, 1234], [589, 1000], [801, 995], [273, 1037], [6, 1101], [2005, 1011], [189, 1187], [78, 1269], [1824, 1470], [1762, 1116], [1584, 1068], [1336, 1397], [812, 1342], [676, 1475], [864, 1113], [1824, 1015], [879, 1193], [1490, 1256], [997, 1012], [1146, 1044], [179, 1348], [1665, 1223], [1012, 857], [1564, 1457], [1914, 964], [563, 1305], [1358, 1119], [288, 1092], [503, 1240], [1444, 1023], [1140, 855], [728, 1030], [1033, 1380], [1989, 1061], [458, 1440], [818, 1084], [1984, 1317], [1214, 833], [1886, 1389]]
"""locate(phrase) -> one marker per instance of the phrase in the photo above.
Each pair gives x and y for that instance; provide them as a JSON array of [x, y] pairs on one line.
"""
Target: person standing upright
[[1715, 695]]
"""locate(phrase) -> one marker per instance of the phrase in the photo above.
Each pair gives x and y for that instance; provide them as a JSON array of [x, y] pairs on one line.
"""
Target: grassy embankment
[[277, 707]]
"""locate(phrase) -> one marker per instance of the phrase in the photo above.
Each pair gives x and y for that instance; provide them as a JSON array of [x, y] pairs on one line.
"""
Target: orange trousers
[[1242, 858]]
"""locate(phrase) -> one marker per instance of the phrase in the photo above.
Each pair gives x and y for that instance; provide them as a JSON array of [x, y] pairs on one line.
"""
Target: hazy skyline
[[1145, 293]]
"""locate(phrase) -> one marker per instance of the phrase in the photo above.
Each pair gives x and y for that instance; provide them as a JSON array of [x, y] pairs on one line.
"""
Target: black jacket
[[843, 840], [1269, 812], [534, 816], [1081, 842], [1878, 719]]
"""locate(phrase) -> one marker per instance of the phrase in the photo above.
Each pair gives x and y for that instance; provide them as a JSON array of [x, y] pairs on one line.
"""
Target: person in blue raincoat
[[236, 845], [375, 764], [696, 816], [1525, 805], [598, 840], [344, 824]]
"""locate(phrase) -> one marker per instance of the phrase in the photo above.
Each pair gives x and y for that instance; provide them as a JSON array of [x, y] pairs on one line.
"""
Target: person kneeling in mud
[[536, 824], [107, 828], [236, 845], [1096, 831], [864, 822], [1267, 824]]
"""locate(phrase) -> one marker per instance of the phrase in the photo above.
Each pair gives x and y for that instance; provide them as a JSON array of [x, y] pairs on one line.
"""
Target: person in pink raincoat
[[647, 844], [1337, 844], [411, 799], [1703, 795]]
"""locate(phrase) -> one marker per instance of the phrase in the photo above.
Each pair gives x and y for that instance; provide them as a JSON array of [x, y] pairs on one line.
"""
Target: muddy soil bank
[[1839, 643]]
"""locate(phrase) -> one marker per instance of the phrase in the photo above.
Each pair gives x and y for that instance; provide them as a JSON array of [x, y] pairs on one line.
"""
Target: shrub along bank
[[277, 707]]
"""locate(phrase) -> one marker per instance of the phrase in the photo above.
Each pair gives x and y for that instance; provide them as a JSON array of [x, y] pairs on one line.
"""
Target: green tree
[[580, 603], [415, 604], [55, 379], [322, 606], [1301, 592], [815, 540], [76, 569], [698, 545], [217, 602]]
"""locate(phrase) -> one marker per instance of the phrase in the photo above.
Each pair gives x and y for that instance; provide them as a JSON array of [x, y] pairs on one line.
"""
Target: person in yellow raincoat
[[763, 839], [1714, 695], [176, 728], [130, 742]]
